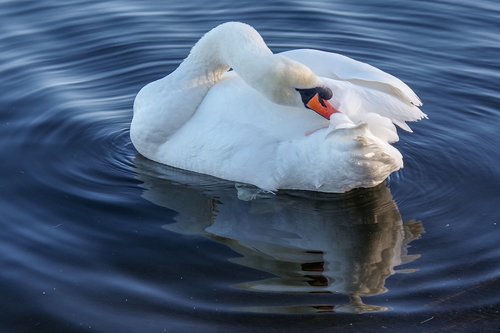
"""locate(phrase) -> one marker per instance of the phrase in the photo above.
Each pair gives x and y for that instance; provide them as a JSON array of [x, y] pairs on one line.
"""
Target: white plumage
[[250, 125]]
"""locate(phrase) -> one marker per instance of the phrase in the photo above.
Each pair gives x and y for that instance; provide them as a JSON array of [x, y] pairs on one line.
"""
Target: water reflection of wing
[[310, 242]]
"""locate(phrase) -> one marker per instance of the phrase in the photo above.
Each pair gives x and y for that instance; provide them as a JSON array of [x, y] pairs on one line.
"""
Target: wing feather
[[400, 106]]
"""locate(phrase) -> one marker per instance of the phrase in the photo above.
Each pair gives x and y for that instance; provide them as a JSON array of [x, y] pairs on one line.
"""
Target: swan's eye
[[323, 92]]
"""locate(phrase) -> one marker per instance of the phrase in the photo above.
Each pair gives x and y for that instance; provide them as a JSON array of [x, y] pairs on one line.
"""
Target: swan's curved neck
[[165, 105], [230, 45]]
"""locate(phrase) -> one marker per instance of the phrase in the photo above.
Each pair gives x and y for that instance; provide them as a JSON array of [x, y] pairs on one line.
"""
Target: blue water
[[98, 239]]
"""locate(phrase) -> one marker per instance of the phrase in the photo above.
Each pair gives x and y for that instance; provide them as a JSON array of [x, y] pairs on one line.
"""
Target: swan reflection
[[310, 242]]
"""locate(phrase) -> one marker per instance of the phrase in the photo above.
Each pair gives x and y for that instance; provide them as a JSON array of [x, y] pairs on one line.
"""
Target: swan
[[301, 119]]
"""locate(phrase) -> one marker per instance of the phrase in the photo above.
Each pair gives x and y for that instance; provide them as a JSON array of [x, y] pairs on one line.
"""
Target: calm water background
[[97, 239]]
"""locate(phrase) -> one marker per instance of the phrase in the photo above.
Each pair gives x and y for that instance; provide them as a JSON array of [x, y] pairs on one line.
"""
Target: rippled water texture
[[97, 239]]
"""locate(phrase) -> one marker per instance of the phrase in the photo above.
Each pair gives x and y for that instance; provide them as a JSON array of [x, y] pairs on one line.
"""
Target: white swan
[[254, 124]]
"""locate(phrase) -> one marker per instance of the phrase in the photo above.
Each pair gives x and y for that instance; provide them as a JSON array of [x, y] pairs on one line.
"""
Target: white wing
[[385, 94]]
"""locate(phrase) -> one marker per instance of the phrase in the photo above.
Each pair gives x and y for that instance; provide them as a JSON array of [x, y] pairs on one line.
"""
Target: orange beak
[[321, 106]]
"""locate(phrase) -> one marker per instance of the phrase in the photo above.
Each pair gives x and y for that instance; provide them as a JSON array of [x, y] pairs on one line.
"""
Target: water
[[97, 239]]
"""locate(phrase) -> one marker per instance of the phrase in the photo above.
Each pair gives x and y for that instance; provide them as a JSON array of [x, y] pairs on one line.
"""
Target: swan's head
[[288, 82]]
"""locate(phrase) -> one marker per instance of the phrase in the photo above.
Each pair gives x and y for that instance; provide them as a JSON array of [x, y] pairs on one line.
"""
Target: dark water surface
[[97, 239]]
